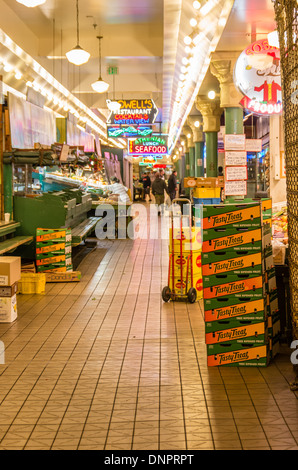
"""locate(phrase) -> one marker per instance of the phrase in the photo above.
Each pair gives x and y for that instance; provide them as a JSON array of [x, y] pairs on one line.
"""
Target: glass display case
[[258, 167], [23, 183]]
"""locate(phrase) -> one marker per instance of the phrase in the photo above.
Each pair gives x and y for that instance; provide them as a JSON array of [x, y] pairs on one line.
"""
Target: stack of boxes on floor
[[239, 286], [10, 274], [53, 250]]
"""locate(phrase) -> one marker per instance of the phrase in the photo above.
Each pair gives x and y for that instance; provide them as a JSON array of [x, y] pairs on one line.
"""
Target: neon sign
[[257, 76], [148, 146], [149, 160], [134, 112], [128, 132]]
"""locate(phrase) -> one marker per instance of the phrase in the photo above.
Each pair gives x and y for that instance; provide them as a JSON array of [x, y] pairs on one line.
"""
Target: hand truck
[[172, 292]]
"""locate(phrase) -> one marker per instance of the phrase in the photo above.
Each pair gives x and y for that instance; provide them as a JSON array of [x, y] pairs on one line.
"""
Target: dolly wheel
[[192, 295], [166, 294]]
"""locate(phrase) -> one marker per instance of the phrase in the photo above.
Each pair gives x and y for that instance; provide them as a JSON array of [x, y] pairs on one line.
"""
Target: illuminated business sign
[[128, 132], [133, 112], [257, 76], [155, 145], [148, 160]]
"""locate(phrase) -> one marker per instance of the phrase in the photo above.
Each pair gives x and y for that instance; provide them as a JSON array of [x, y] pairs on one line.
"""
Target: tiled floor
[[104, 364]]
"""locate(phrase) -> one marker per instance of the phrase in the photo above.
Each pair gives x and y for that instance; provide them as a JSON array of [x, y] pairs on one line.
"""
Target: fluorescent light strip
[[175, 128], [29, 61]]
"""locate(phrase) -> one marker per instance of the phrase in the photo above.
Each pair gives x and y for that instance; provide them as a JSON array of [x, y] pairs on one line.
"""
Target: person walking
[[159, 188], [146, 186], [152, 178], [172, 185], [162, 173]]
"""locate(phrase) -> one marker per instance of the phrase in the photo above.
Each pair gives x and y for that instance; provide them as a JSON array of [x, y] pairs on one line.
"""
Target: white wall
[[277, 182]]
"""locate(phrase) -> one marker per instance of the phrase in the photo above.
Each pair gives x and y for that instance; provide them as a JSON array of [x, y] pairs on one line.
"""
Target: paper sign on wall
[[64, 153], [235, 188], [235, 158], [236, 173], [234, 141], [253, 145]]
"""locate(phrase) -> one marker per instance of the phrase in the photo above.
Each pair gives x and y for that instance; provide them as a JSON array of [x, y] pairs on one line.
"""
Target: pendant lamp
[[77, 55], [32, 3], [100, 86]]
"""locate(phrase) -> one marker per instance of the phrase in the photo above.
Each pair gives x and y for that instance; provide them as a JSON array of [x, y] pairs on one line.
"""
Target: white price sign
[[236, 173], [235, 158], [253, 145], [235, 141], [235, 188]]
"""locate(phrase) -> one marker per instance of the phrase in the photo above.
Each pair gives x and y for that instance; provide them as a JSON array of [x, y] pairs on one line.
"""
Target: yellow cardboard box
[[188, 239]]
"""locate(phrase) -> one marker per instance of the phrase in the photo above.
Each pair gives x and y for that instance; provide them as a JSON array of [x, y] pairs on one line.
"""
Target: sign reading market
[[154, 145], [257, 76], [133, 112]]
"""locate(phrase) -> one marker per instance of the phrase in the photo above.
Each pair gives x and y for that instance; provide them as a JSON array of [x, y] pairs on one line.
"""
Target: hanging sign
[[257, 76], [155, 145], [133, 112]]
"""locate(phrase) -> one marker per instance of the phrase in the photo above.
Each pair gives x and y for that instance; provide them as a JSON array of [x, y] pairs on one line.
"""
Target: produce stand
[[9, 242], [41, 191]]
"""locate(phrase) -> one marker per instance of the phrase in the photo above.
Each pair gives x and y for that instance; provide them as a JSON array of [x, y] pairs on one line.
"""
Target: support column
[[191, 149], [198, 138], [222, 67], [211, 112], [185, 150]]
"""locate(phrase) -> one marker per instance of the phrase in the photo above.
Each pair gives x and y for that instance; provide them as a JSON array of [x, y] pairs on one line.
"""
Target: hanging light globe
[[78, 56], [31, 3], [100, 86]]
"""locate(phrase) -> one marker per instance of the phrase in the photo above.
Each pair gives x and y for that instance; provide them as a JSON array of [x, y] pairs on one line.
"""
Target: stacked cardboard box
[[186, 241], [238, 283], [53, 250], [10, 274]]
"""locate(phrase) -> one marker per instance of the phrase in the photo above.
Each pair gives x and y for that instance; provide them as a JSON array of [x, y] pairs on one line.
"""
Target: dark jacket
[[159, 186], [146, 182], [172, 183]]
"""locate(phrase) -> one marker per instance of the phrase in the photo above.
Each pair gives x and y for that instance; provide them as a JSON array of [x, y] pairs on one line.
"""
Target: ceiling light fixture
[[7, 67], [193, 22], [31, 3], [187, 40], [208, 7], [197, 124], [78, 56], [196, 5], [222, 21], [100, 86], [211, 95]]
